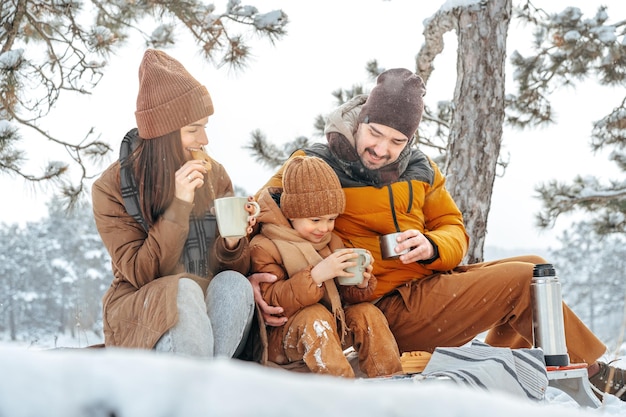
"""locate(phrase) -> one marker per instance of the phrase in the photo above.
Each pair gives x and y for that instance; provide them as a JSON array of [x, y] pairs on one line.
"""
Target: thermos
[[547, 304]]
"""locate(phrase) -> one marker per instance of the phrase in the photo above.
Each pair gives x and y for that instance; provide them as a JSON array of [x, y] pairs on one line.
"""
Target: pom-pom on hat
[[169, 97], [310, 189], [396, 101]]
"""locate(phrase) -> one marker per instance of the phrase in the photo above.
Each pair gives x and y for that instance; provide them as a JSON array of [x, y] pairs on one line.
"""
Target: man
[[428, 299]]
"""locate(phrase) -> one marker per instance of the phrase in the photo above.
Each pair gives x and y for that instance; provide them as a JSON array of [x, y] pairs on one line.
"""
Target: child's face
[[314, 229]]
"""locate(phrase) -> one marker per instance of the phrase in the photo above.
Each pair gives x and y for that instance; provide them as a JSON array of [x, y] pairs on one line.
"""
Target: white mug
[[232, 217], [362, 262]]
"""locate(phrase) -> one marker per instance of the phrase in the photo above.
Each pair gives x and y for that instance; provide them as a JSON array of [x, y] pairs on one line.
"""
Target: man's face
[[378, 145]]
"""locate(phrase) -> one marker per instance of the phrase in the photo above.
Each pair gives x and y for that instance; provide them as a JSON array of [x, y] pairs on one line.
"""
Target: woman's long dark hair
[[154, 164]]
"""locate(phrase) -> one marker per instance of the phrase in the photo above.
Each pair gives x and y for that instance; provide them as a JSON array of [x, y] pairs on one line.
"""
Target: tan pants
[[311, 335], [451, 309], [372, 339]]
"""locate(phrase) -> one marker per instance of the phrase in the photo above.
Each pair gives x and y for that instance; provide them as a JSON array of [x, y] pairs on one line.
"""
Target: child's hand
[[334, 266], [367, 274]]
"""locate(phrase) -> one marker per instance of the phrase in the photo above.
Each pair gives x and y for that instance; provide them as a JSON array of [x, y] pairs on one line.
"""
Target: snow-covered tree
[[48, 48], [54, 273], [11, 283], [592, 269], [24, 300], [80, 264], [570, 49]]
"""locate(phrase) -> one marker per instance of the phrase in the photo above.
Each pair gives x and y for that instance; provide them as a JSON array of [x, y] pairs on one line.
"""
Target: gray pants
[[213, 325]]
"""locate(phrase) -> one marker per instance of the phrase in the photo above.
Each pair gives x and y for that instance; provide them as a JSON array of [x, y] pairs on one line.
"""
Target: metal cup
[[387, 245]]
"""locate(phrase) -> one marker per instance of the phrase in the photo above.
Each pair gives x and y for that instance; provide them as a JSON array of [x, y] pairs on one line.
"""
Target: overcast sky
[[287, 85]]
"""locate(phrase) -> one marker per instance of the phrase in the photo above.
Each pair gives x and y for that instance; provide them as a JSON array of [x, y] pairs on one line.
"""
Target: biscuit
[[202, 156]]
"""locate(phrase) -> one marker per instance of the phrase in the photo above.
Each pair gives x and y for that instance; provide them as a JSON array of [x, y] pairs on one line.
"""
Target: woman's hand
[[252, 210], [188, 178], [232, 242]]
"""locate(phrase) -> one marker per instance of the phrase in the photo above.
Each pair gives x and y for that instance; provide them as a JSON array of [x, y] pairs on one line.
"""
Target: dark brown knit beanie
[[396, 101], [169, 97], [310, 189]]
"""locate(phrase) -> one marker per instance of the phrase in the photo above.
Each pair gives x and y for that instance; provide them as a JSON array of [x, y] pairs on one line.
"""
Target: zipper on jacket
[[393, 207]]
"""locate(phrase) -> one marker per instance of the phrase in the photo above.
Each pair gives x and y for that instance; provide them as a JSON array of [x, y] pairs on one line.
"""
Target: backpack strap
[[128, 185]]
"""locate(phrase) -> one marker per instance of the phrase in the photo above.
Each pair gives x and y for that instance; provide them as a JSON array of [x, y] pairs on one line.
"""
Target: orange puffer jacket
[[411, 204]]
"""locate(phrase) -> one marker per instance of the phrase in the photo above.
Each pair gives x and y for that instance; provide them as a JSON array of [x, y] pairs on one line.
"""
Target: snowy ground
[[114, 382]]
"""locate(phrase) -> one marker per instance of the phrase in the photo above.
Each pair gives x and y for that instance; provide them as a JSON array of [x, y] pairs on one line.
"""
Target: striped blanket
[[521, 372]]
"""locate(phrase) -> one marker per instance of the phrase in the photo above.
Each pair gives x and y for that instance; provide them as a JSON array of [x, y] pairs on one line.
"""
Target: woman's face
[[193, 136]]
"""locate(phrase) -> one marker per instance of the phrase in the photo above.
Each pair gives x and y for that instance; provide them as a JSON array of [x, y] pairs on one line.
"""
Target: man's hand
[[270, 313], [419, 247]]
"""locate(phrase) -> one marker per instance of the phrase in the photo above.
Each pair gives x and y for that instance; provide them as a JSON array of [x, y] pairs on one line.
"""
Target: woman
[[177, 286]]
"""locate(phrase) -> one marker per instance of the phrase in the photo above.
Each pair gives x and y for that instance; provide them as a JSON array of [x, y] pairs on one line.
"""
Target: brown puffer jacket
[[140, 305], [306, 305], [295, 292]]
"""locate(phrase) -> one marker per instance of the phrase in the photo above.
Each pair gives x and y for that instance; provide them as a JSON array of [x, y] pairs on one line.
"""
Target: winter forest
[[55, 270]]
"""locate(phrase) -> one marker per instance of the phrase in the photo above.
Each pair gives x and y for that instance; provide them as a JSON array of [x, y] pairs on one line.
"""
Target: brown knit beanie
[[169, 97], [310, 189], [396, 101]]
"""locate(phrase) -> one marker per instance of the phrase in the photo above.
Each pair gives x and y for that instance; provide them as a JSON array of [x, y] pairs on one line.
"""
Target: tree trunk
[[476, 127], [12, 324]]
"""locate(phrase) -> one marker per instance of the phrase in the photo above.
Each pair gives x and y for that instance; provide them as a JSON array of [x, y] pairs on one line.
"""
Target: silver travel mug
[[547, 304]]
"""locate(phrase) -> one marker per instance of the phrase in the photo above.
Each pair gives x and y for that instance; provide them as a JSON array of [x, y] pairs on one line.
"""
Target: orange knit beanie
[[311, 189], [169, 97]]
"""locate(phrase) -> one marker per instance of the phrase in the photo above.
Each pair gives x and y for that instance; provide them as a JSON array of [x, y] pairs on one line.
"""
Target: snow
[[569, 14], [119, 382], [6, 129], [451, 4], [11, 59], [572, 36], [268, 20], [606, 34]]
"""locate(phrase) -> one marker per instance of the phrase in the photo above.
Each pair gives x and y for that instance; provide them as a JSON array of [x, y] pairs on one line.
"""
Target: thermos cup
[[388, 245], [547, 304]]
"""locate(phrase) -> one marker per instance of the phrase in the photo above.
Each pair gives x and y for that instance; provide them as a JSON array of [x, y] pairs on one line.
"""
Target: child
[[296, 244]]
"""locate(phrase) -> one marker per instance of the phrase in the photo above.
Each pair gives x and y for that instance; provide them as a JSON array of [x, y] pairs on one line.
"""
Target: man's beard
[[380, 161]]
